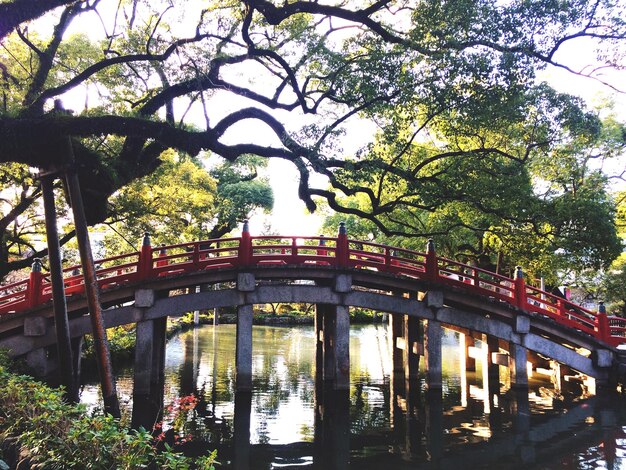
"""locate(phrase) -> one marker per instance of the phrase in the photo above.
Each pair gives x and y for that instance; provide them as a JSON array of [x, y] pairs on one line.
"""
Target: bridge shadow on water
[[294, 419]]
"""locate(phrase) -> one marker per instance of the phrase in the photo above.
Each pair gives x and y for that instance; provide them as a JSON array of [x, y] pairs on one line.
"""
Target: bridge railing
[[283, 250], [154, 262], [191, 257], [17, 296], [561, 310], [478, 280]]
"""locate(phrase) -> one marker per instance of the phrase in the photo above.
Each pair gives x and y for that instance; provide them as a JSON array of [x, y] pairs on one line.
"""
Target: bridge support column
[[332, 326], [243, 355], [412, 348], [149, 356], [518, 366], [342, 348], [38, 359], [149, 372], [470, 361], [77, 356], [332, 427], [325, 354], [493, 374], [396, 342], [433, 334], [519, 354]]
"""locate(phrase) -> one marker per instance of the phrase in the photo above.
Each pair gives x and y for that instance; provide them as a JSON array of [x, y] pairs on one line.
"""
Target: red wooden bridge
[[342, 252]]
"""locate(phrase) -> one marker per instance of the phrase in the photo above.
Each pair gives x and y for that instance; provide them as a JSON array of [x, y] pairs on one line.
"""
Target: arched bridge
[[157, 282]]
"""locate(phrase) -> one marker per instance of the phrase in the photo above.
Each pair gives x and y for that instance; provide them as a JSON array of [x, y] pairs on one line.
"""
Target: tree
[[613, 284], [181, 201], [511, 193], [154, 77]]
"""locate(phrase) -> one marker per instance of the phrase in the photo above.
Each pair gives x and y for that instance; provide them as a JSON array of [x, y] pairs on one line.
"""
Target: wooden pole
[[101, 344], [61, 323]]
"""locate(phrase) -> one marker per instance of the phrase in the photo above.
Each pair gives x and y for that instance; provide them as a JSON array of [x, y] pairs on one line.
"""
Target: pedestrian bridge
[[422, 291]]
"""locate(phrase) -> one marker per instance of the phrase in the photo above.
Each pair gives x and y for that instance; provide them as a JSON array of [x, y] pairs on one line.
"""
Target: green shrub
[[121, 343], [53, 434]]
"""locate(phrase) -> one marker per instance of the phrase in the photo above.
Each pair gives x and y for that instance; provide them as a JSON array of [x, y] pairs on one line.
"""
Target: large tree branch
[[111, 61], [25, 201], [46, 60], [16, 12], [18, 145]]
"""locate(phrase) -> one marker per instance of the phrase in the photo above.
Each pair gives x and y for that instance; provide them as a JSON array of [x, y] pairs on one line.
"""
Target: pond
[[290, 421]]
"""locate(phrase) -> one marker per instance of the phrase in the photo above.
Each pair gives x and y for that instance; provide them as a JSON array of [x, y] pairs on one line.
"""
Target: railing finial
[[246, 227], [322, 240], [146, 239], [430, 246], [519, 273], [342, 228], [601, 307], [36, 266]]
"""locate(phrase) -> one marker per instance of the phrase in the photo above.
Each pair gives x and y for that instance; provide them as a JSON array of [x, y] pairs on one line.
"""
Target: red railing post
[[144, 269], [294, 250], [33, 290], [321, 251], [520, 289], [162, 254], [602, 323], [245, 246], [432, 266], [343, 253], [196, 256]]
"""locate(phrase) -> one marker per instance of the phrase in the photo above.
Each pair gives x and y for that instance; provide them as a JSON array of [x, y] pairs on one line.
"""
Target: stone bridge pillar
[[433, 335], [332, 427], [38, 360], [332, 327], [243, 354], [149, 367], [519, 353], [241, 425], [246, 282], [493, 366]]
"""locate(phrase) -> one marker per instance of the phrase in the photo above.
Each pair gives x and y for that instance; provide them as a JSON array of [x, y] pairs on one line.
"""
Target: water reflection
[[291, 420]]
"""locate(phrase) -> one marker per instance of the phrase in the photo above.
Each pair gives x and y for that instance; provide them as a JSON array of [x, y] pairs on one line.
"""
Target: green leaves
[[57, 435]]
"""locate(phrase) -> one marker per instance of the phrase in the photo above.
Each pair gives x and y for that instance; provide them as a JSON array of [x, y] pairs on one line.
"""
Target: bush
[[53, 434]]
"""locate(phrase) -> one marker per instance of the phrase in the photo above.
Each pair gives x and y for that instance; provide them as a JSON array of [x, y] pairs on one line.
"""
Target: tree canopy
[[466, 138]]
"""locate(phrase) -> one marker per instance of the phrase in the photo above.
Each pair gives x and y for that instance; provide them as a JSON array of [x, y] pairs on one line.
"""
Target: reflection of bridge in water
[[421, 440], [485, 427]]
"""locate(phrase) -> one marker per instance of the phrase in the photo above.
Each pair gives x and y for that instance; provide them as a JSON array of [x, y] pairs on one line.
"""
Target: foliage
[[494, 196], [614, 287], [613, 283], [54, 434], [451, 87], [121, 343], [18, 222]]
